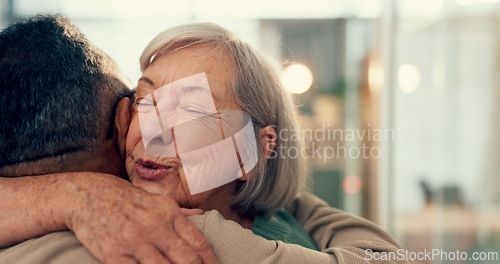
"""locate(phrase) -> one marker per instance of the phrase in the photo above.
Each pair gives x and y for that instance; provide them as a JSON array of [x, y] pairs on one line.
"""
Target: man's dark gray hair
[[57, 91]]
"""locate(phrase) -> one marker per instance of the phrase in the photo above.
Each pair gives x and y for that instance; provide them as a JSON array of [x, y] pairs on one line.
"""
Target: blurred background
[[399, 99]]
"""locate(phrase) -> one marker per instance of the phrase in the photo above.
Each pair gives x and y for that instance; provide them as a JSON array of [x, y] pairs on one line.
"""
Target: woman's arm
[[232, 243], [112, 218], [341, 234], [343, 238]]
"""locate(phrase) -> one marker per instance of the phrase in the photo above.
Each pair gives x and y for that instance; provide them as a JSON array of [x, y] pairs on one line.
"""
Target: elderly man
[[58, 94]]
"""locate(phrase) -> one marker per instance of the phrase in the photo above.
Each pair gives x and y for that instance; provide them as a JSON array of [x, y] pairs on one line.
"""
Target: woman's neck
[[231, 214], [220, 201]]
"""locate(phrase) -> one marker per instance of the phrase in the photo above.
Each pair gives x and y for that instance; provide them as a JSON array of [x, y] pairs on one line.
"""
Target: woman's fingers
[[190, 212]]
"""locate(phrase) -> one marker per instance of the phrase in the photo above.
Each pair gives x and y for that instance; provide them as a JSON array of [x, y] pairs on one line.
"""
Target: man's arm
[[116, 221]]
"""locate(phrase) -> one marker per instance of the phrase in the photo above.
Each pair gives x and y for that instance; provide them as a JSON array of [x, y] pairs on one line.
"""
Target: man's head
[[57, 95]]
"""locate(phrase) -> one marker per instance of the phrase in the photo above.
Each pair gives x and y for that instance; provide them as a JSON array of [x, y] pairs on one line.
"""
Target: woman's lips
[[152, 171]]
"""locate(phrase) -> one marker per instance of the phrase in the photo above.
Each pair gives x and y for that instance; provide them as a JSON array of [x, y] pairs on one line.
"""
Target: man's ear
[[268, 139], [122, 122]]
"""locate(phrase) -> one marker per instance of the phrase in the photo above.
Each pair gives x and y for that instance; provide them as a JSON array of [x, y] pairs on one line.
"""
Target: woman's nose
[[161, 145], [164, 137]]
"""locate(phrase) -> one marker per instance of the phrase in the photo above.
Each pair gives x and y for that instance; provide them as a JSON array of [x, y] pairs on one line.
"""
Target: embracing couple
[[177, 171]]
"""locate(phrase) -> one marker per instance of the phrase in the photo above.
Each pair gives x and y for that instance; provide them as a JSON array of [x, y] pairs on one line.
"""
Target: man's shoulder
[[58, 247]]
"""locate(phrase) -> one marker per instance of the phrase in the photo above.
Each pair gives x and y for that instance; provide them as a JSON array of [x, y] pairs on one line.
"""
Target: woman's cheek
[[184, 189], [134, 135]]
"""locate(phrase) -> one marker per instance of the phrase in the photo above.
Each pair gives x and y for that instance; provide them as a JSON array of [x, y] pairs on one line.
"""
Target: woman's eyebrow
[[147, 80], [192, 89]]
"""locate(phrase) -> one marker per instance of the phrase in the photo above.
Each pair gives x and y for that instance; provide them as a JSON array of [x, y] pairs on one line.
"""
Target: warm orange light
[[352, 185], [297, 78]]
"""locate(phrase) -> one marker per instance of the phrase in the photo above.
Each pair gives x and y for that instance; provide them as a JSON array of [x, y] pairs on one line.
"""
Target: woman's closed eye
[[143, 104], [196, 110]]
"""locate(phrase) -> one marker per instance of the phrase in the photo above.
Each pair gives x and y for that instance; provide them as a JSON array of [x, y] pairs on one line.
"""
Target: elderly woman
[[203, 130], [240, 82]]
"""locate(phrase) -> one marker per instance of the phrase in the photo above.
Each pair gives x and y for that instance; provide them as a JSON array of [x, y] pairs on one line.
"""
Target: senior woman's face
[[159, 169]]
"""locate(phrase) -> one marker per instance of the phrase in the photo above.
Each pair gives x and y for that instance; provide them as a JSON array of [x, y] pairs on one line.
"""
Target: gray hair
[[259, 92]]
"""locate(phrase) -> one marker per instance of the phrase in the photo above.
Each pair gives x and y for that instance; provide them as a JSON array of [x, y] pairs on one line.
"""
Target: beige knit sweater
[[342, 238]]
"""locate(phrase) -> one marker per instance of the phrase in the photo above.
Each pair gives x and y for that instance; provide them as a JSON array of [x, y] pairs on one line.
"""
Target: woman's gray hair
[[259, 92]]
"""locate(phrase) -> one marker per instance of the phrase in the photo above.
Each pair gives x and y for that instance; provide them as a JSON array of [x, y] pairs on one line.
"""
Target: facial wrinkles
[[174, 104], [184, 108], [196, 129], [191, 124]]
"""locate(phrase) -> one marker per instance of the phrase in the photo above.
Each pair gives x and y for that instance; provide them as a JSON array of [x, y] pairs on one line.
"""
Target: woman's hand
[[116, 221]]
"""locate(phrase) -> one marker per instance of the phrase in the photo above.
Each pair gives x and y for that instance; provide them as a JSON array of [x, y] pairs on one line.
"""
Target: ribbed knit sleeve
[[55, 248], [232, 243], [349, 238]]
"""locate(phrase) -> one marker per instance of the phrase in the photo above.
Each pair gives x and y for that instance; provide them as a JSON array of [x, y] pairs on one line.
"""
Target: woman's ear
[[122, 122], [268, 139]]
